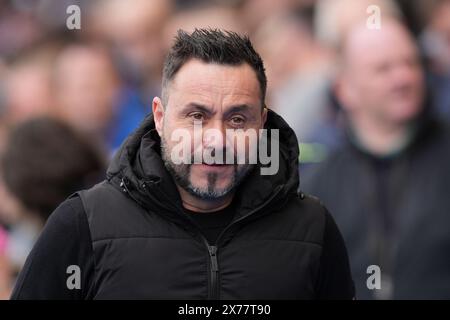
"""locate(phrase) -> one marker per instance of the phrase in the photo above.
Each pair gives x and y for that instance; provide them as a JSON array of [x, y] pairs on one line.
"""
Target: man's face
[[86, 88], [204, 96], [384, 77]]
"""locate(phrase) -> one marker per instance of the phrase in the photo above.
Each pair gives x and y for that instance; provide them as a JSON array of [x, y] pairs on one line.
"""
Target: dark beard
[[181, 174]]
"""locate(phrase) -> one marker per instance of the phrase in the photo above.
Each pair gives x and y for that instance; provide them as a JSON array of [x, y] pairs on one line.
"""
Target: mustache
[[223, 156]]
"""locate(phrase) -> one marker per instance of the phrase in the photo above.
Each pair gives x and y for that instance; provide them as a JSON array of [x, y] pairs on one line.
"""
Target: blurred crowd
[[369, 107]]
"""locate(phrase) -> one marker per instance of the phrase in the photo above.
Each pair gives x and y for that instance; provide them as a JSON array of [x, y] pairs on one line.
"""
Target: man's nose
[[214, 134]]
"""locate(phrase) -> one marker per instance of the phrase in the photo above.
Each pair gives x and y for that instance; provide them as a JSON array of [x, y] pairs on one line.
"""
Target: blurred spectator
[[435, 41], [255, 12], [25, 25], [44, 161], [134, 30], [90, 96], [320, 123], [26, 84], [299, 69], [333, 18], [388, 185]]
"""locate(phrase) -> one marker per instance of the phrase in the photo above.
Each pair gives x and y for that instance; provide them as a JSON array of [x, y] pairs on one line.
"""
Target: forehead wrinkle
[[216, 96]]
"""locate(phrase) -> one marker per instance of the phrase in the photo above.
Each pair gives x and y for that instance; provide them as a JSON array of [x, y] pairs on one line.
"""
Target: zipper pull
[[213, 254]]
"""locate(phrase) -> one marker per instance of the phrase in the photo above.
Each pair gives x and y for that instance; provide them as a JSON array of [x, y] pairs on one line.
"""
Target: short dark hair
[[45, 161], [212, 46]]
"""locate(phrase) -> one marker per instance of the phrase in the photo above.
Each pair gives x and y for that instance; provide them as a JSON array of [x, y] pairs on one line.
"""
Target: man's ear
[[264, 116], [158, 114]]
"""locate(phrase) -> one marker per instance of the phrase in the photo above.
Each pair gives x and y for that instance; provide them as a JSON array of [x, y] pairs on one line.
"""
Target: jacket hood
[[138, 169]]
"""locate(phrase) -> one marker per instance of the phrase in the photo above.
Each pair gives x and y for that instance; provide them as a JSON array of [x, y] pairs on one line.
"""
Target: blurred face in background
[[220, 97], [27, 91], [86, 86], [134, 29], [282, 42], [382, 77]]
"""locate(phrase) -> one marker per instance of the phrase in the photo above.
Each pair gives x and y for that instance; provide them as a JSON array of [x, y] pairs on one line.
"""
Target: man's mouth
[[214, 164]]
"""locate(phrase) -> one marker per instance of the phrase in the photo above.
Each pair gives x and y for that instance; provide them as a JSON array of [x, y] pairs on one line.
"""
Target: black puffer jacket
[[280, 244]]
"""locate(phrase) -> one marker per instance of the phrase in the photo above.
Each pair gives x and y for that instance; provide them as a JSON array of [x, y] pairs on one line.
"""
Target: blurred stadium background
[[68, 98]]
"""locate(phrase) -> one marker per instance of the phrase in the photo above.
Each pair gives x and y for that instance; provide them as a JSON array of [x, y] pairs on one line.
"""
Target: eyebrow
[[197, 106], [237, 108], [208, 110]]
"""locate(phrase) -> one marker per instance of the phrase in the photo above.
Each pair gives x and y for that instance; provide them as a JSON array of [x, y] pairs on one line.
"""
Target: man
[[160, 229], [67, 162], [388, 185], [43, 161], [91, 96]]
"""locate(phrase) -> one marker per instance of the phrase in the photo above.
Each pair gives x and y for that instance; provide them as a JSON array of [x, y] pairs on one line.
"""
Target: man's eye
[[196, 116], [237, 121]]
